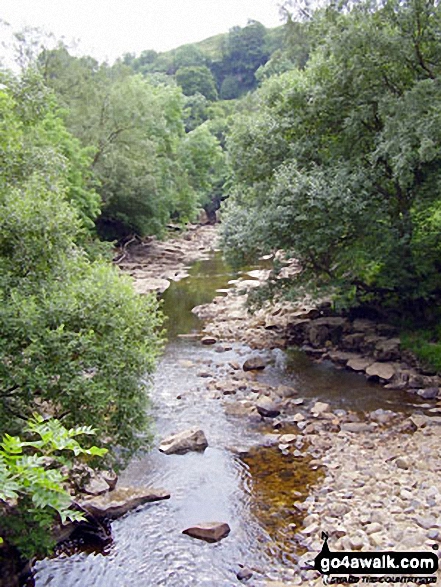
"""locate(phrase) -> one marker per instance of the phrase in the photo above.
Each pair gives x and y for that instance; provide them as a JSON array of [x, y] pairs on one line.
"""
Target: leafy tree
[[340, 163], [244, 51], [230, 88], [76, 339], [134, 126], [203, 161], [197, 79], [189, 56]]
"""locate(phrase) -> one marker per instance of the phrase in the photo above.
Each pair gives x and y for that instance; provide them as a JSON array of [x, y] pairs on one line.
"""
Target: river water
[[241, 478]]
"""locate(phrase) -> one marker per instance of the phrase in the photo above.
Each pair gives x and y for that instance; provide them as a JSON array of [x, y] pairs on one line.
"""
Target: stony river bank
[[293, 447], [379, 488]]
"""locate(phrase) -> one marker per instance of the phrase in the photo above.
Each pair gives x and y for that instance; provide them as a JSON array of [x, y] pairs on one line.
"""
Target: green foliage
[[32, 492], [76, 339], [341, 159], [426, 345], [135, 126], [197, 79]]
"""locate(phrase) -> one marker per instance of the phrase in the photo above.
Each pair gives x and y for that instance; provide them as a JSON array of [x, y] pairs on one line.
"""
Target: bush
[[32, 492]]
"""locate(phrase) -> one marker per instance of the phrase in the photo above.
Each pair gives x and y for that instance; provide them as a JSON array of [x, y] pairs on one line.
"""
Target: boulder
[[267, 407], [352, 342], [340, 357], [186, 441], [96, 485], [360, 325], [388, 349], [244, 574], [320, 408], [254, 364], [288, 438], [359, 364], [428, 393], [384, 371], [210, 532], [116, 503]]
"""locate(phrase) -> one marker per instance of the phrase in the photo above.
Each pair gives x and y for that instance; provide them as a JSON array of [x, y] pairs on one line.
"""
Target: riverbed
[[243, 478]]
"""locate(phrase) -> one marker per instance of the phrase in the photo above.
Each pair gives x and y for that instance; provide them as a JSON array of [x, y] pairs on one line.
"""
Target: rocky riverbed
[[153, 264], [273, 446], [380, 488]]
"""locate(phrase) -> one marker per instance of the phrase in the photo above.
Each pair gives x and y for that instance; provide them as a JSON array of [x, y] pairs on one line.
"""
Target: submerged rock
[[118, 502], [210, 531], [244, 574], [186, 441]]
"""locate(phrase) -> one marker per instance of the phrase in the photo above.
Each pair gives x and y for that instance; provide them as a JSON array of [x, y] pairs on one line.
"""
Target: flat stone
[[355, 427], [287, 438], [340, 357], [373, 528], [428, 393], [96, 485], [359, 364], [183, 442], [254, 364], [384, 371], [118, 502], [427, 522], [208, 340], [151, 284], [210, 531]]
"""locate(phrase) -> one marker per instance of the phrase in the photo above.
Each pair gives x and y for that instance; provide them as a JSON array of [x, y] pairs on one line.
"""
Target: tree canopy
[[76, 339], [339, 162]]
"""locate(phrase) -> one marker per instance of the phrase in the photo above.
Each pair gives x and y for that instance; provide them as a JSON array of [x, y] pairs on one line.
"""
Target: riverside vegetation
[[322, 136]]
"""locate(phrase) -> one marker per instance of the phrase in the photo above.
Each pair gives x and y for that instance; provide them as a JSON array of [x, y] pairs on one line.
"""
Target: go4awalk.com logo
[[369, 564]]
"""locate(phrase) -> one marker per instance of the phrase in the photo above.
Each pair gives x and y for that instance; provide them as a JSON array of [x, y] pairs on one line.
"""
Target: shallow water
[[236, 480]]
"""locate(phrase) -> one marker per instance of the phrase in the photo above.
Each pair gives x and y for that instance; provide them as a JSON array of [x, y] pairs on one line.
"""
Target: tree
[[134, 126], [244, 51], [197, 79], [77, 342], [203, 161], [341, 164]]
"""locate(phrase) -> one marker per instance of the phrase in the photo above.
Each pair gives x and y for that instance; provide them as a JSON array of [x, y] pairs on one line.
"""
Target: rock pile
[[153, 263]]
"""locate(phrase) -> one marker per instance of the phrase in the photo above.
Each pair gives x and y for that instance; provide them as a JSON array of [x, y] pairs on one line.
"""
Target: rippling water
[[251, 489]]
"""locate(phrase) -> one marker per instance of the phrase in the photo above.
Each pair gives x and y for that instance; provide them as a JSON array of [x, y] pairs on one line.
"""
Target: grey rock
[[267, 407], [426, 522], [254, 364], [403, 463], [244, 574], [96, 485], [116, 503], [355, 427], [359, 364], [210, 531], [428, 393], [384, 371], [183, 442], [388, 349], [320, 408], [208, 340]]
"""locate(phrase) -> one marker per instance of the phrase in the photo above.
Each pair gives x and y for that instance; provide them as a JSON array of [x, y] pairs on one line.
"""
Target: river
[[242, 478]]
